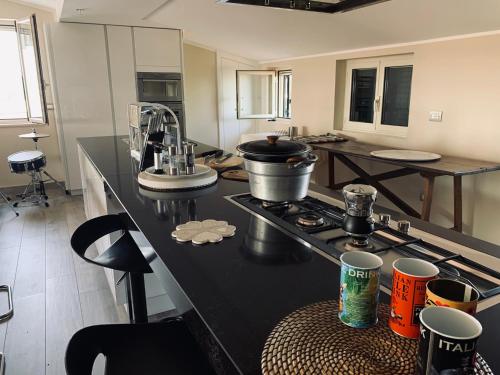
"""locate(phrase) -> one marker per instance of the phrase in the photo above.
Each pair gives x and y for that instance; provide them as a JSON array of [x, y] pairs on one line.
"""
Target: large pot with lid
[[278, 170]]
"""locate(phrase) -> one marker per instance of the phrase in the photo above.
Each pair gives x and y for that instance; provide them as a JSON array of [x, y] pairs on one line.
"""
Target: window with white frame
[[285, 94], [22, 98], [378, 93]]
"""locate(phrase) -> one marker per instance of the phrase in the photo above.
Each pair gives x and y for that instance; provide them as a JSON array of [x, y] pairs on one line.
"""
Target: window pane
[[363, 94], [397, 88], [285, 94], [256, 94], [12, 105], [30, 70]]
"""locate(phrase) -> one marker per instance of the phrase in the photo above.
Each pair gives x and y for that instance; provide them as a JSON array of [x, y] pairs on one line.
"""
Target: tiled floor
[[55, 292]]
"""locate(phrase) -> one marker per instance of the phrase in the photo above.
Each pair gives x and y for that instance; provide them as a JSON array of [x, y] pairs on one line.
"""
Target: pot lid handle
[[272, 139]]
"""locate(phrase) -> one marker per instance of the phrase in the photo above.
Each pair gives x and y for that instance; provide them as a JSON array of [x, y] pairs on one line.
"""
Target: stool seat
[[122, 255], [153, 349]]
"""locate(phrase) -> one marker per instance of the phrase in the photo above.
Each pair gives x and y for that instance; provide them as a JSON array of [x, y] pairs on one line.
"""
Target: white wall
[[200, 85], [460, 77], [9, 141]]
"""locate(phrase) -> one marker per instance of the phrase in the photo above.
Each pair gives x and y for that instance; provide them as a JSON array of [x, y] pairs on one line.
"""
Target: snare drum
[[26, 161]]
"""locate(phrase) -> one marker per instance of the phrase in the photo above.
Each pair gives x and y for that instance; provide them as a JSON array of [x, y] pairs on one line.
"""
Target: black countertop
[[240, 292]]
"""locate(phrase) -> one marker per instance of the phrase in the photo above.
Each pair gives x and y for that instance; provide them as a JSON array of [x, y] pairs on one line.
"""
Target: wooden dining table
[[446, 166]]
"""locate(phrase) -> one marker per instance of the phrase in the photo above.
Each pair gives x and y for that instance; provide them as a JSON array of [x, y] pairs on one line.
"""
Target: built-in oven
[[159, 87]]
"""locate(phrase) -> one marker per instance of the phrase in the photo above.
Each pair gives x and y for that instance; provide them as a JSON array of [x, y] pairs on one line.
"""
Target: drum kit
[[31, 163]]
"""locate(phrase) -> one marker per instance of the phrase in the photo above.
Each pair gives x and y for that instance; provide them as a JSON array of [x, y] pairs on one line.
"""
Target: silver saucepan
[[278, 170]]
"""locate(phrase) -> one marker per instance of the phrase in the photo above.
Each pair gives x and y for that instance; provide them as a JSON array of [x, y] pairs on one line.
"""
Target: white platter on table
[[406, 155]]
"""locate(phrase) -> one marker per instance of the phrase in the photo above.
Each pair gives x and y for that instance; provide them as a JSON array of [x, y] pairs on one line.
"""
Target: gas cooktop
[[317, 222]]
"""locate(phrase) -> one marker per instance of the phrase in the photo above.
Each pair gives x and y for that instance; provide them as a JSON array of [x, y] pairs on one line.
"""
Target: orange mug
[[409, 279], [452, 293]]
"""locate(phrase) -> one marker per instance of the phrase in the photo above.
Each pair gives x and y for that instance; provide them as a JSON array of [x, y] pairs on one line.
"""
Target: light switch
[[436, 116]]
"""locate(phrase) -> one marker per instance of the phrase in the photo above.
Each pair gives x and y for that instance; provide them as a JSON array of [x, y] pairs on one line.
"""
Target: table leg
[[457, 203], [331, 169], [405, 207], [428, 190]]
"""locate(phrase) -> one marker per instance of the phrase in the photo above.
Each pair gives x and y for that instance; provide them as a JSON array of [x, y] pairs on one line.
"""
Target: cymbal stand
[[9, 203], [52, 179]]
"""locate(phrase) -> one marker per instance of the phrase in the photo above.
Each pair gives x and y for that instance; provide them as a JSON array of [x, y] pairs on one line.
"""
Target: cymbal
[[33, 135]]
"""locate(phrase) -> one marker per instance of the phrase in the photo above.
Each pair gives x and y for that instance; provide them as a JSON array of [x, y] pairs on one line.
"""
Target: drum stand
[[37, 195], [34, 192], [7, 200]]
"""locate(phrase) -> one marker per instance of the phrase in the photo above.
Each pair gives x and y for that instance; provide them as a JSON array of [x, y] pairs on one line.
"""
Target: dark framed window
[[378, 93]]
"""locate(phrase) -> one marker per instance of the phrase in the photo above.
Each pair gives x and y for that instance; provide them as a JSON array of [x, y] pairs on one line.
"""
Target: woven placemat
[[313, 340]]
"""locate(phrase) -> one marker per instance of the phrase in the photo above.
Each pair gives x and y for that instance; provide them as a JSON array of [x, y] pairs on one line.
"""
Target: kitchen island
[[234, 292]]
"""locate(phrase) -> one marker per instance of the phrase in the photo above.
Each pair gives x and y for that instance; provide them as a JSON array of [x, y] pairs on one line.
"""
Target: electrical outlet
[[436, 116]]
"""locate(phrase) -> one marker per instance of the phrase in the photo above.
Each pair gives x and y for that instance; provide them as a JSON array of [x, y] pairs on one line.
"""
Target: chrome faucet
[[177, 126], [157, 123]]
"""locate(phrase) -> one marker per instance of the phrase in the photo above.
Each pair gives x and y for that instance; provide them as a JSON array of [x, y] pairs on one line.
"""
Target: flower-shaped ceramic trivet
[[200, 232]]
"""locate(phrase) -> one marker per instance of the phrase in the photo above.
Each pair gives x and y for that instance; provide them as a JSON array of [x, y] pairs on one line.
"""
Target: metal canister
[[409, 278], [172, 160], [359, 288], [189, 155]]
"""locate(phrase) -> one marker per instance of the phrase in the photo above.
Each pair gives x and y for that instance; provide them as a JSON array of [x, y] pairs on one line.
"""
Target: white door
[[231, 132], [80, 81], [121, 67]]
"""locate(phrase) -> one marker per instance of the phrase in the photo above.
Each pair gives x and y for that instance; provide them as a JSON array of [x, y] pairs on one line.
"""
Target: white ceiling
[[41, 4], [266, 34]]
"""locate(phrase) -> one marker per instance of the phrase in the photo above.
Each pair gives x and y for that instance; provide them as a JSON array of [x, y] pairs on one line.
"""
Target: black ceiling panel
[[308, 5]]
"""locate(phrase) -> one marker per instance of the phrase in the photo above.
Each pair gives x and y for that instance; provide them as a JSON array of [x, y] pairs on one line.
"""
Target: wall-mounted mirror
[[256, 94]]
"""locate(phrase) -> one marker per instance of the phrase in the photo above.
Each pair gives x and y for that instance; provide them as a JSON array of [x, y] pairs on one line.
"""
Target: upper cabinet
[[157, 50], [122, 71]]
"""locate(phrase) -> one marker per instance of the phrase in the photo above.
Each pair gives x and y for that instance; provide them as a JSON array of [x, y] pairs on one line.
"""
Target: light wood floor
[[55, 292]]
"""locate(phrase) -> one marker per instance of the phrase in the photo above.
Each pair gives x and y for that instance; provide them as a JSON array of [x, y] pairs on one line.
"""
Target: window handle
[[376, 103]]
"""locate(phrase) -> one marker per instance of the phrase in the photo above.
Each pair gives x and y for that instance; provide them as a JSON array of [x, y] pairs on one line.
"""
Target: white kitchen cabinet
[[121, 67], [95, 200], [93, 77], [81, 87], [157, 50]]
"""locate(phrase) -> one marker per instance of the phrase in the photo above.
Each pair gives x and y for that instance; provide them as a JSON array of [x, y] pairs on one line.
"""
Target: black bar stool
[[122, 255], [152, 349]]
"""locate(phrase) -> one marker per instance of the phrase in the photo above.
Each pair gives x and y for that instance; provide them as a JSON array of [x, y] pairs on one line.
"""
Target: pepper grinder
[[189, 155], [157, 157], [172, 160]]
